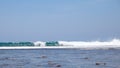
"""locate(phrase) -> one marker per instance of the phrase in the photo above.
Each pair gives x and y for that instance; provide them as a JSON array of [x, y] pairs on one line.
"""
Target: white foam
[[113, 43], [39, 43]]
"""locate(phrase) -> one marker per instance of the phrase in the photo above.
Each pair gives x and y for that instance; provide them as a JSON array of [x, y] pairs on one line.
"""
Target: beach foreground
[[60, 58]]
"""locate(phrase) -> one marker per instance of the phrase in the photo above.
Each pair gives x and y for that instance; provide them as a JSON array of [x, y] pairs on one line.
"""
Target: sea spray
[[93, 43], [115, 43], [82, 43]]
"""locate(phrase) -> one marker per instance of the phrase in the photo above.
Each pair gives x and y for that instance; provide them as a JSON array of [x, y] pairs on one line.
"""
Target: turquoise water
[[12, 44], [60, 58]]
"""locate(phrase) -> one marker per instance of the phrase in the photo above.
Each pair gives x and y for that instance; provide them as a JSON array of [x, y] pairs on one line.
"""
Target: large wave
[[78, 43], [115, 43], [83, 44]]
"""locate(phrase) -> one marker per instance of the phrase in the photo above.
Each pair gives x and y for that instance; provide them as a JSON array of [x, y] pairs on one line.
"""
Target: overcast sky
[[49, 20]]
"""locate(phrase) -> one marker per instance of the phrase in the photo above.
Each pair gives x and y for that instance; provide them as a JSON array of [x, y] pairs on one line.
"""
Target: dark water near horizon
[[60, 58]]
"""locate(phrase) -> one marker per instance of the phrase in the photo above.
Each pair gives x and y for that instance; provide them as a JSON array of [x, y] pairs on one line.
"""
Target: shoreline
[[59, 47]]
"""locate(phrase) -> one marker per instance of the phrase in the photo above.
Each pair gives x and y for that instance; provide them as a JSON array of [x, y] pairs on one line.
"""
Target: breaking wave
[[115, 43], [94, 43]]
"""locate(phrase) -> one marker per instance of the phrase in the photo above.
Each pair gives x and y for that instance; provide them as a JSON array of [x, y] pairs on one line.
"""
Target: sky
[[53, 20]]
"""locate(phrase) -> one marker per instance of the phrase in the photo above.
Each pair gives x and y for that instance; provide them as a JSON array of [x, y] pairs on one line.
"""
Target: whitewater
[[113, 44]]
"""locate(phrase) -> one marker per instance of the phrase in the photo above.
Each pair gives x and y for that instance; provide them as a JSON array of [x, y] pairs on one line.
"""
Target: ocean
[[60, 54], [59, 58]]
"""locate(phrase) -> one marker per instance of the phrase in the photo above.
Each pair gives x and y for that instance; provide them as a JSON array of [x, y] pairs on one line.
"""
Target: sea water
[[70, 54], [115, 43], [60, 58]]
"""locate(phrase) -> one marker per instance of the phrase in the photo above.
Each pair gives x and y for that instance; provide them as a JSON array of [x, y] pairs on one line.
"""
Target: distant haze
[[50, 20]]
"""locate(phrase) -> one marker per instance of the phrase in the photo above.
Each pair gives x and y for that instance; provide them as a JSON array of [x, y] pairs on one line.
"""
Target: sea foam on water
[[115, 43], [83, 44]]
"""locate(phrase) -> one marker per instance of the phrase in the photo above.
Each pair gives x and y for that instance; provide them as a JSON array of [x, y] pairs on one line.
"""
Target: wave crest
[[82, 44]]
